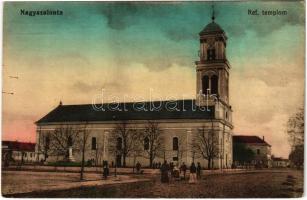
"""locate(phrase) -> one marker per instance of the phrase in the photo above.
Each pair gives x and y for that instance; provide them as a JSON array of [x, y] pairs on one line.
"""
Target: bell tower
[[212, 70]]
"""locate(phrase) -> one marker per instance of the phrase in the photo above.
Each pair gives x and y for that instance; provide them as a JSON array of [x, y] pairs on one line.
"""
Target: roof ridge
[[128, 102]]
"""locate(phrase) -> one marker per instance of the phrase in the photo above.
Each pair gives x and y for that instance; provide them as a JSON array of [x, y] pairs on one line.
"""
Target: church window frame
[[69, 141], [146, 143], [94, 143], [205, 83], [47, 142], [214, 84], [175, 143], [211, 54]]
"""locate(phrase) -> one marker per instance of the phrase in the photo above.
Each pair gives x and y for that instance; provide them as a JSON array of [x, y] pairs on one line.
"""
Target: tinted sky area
[[130, 49]]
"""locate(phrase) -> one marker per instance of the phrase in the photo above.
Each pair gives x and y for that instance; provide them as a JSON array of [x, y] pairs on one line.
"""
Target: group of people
[[171, 171]]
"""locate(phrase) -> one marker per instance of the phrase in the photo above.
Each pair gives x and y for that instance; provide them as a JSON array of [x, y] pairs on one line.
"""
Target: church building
[[186, 127]]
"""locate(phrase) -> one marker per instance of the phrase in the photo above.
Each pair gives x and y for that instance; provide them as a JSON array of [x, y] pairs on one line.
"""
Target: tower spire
[[213, 17]]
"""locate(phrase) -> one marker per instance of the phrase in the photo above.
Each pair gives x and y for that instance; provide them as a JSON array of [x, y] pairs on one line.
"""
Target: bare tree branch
[[206, 144]]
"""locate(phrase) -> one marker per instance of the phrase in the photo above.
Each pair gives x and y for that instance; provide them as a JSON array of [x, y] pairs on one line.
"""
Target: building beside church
[[180, 122], [280, 162], [261, 149], [18, 152]]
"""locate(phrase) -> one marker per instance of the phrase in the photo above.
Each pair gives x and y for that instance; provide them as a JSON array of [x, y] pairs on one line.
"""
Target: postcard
[[153, 99]]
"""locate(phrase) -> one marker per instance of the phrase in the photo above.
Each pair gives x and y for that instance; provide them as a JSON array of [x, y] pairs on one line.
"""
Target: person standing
[[171, 171], [183, 169], [105, 170], [138, 167], [192, 173], [198, 171], [164, 172], [176, 173]]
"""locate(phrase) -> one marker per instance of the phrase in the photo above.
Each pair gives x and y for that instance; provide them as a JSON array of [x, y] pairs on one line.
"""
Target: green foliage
[[297, 156], [242, 154]]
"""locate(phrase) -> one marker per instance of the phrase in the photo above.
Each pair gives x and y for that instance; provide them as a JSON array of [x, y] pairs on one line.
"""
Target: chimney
[[263, 137]]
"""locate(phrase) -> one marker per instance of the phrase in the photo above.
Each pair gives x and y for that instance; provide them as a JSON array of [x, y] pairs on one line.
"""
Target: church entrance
[[118, 160]]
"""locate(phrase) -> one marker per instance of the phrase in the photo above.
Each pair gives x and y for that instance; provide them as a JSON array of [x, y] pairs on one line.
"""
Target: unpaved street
[[256, 183]]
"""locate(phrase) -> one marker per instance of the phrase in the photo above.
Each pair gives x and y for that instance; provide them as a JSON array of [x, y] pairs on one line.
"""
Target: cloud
[[111, 84], [120, 15], [262, 25]]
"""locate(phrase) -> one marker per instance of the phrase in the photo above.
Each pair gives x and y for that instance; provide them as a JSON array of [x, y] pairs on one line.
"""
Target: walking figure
[[192, 173], [164, 172], [138, 167], [105, 170], [183, 168], [198, 171]]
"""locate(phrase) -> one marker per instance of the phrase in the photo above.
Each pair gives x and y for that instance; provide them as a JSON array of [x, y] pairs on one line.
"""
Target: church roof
[[185, 109], [211, 28], [249, 139]]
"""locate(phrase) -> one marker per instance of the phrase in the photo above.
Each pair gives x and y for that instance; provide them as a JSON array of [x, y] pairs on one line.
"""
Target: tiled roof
[[186, 109], [279, 159], [211, 29], [249, 139], [19, 146]]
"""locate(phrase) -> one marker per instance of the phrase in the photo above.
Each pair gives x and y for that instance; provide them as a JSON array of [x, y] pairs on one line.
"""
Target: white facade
[[184, 130]]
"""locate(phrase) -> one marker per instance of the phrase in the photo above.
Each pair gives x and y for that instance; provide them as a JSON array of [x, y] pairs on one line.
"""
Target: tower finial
[[213, 17]]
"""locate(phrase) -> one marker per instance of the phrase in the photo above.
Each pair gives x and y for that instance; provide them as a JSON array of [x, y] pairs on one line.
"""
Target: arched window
[[210, 54], [69, 141], [205, 82], [146, 143], [94, 143], [214, 84], [119, 143], [47, 142], [175, 144]]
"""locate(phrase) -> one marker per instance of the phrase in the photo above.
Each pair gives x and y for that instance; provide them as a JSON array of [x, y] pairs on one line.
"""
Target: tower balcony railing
[[203, 61]]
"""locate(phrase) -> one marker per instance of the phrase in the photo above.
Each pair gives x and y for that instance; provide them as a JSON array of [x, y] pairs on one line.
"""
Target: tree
[[242, 154], [297, 156], [124, 141], [61, 139], [43, 146], [99, 152], [295, 131], [295, 128], [206, 144], [152, 137], [83, 145]]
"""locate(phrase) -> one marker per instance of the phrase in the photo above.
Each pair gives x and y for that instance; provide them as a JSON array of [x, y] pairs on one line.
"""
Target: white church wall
[[184, 130]]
